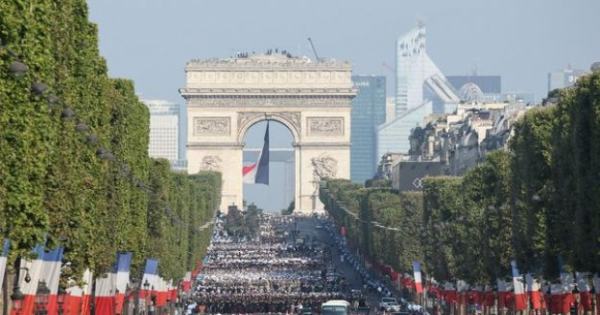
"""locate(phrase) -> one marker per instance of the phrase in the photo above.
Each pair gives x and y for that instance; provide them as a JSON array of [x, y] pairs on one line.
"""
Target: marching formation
[[279, 270]]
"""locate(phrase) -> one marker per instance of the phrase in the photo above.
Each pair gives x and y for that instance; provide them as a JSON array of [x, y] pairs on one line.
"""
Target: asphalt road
[[308, 227]]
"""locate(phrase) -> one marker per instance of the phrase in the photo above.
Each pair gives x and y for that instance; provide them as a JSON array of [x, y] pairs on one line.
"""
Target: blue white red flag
[[418, 278], [45, 267], [519, 287], [150, 280], [110, 289], [258, 173]]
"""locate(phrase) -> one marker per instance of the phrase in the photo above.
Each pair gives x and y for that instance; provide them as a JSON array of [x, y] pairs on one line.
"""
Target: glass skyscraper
[[421, 89], [167, 132], [368, 112]]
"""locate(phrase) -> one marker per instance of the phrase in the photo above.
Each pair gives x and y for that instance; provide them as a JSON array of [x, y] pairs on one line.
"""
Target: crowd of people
[[276, 271]]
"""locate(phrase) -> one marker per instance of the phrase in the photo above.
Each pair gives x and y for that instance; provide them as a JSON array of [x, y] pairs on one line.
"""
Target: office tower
[[368, 112]]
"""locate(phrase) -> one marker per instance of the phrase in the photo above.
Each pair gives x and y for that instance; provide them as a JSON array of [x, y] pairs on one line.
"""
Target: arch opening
[[279, 195]]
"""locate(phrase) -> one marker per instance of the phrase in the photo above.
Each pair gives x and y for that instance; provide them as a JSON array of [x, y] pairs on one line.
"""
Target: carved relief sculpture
[[324, 166], [211, 163], [325, 126], [212, 126]]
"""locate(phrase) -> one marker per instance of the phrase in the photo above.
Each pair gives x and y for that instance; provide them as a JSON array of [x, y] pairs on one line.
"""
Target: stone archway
[[312, 99]]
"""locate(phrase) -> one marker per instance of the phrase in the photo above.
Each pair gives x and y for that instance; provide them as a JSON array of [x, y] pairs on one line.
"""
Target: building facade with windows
[[368, 112], [564, 78], [167, 132], [421, 89]]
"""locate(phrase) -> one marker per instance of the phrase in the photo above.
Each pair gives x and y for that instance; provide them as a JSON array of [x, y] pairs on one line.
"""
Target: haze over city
[[492, 37], [307, 157], [151, 41]]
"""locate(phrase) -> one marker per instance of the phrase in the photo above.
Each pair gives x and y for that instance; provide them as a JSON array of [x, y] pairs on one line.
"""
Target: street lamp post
[[17, 296], [146, 303], [41, 298], [17, 300], [60, 300]]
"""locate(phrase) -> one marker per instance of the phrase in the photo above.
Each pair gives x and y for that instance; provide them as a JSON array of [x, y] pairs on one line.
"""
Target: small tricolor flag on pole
[[418, 278], [519, 288]]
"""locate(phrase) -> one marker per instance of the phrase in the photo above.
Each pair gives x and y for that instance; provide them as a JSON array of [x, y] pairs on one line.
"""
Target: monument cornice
[[241, 92], [215, 145], [270, 101], [331, 145], [250, 64]]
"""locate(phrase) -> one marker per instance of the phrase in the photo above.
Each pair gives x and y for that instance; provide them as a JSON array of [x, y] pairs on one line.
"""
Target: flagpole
[[93, 297]]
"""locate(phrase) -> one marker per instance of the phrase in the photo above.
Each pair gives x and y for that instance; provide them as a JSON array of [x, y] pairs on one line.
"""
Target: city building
[[451, 144], [368, 112], [421, 89], [462, 139], [408, 175], [518, 97], [394, 136], [167, 132], [477, 88], [418, 79], [564, 78], [390, 108]]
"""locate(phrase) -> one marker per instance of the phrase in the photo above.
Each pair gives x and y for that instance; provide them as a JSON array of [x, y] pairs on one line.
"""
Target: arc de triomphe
[[225, 97]]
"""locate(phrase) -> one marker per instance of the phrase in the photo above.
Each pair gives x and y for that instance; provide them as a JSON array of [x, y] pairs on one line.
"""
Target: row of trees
[[538, 203], [74, 168]]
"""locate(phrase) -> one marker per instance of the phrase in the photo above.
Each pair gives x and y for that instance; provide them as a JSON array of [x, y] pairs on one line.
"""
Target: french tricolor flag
[[110, 289], [186, 285], [533, 290], [3, 257], [258, 173], [46, 267], [121, 279], [584, 291], [151, 277], [520, 298], [77, 300], [162, 292], [418, 279], [504, 293]]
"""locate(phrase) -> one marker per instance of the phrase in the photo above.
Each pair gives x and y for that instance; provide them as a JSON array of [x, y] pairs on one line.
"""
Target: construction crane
[[314, 49]]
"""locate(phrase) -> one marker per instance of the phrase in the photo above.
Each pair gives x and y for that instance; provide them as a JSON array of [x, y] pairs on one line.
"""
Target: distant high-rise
[[563, 78], [368, 112], [421, 89], [418, 79], [167, 132]]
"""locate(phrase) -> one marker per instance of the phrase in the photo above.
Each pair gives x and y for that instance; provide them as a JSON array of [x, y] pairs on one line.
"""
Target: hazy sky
[[150, 41]]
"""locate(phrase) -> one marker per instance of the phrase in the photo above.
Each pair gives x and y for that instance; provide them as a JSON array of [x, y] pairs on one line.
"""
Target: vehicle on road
[[389, 304], [335, 307]]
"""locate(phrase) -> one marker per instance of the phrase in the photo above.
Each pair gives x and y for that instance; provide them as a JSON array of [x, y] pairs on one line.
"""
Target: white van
[[335, 307]]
